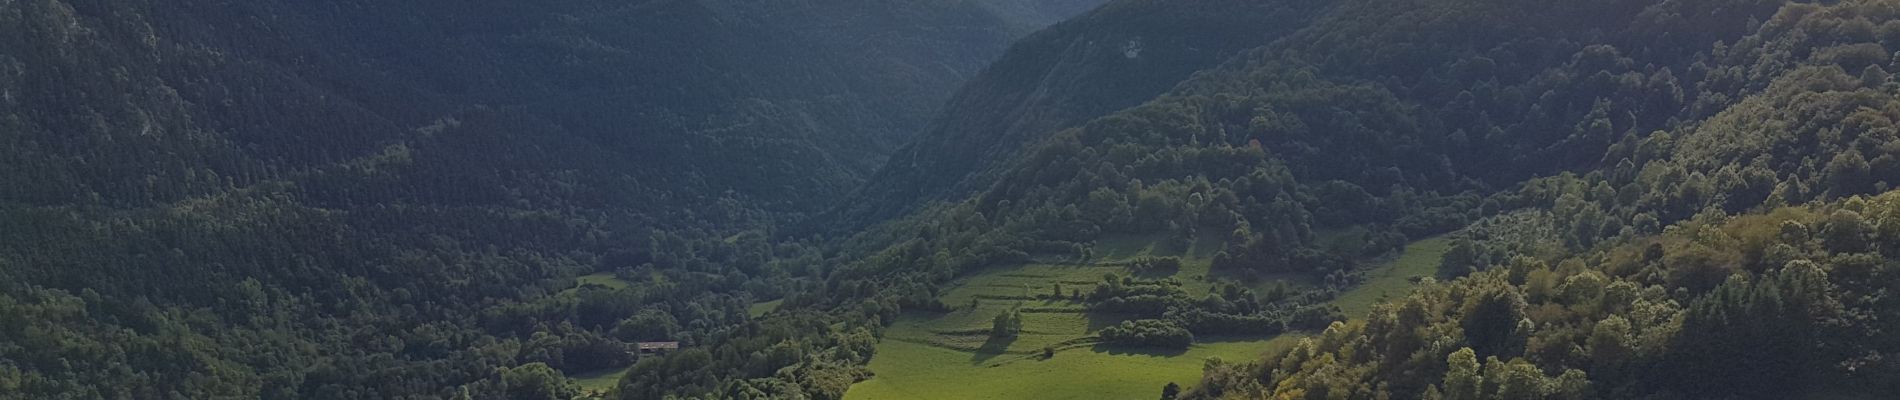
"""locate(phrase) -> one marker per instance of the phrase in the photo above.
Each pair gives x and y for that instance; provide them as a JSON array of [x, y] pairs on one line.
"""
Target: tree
[[1171, 391], [1572, 385], [1610, 345], [1463, 380], [1848, 173], [1754, 336], [651, 324], [1463, 258], [1108, 208], [537, 381], [1148, 332], [1491, 320], [1519, 380], [1006, 324], [1846, 232]]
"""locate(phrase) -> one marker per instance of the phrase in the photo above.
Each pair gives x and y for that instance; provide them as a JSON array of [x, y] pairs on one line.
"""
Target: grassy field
[[760, 308], [941, 355], [606, 279], [1394, 278], [600, 381], [907, 370], [951, 356]]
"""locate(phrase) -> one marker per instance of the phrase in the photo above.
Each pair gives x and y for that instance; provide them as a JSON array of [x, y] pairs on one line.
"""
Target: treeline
[[379, 200], [1794, 286], [1165, 315], [1348, 125], [1729, 251]]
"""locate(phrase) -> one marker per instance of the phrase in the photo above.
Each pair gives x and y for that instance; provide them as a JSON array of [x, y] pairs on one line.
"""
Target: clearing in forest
[[951, 355]]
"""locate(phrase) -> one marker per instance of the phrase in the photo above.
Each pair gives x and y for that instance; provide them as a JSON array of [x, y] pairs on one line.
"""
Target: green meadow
[[1393, 278], [761, 308], [952, 356], [600, 381], [603, 279], [907, 370]]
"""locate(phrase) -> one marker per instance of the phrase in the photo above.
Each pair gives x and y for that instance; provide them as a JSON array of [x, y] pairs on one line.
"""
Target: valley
[[952, 355], [973, 199]]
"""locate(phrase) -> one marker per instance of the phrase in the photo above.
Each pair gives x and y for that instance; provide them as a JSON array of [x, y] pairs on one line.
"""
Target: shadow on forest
[[1155, 273], [993, 347], [1100, 320], [1126, 350]]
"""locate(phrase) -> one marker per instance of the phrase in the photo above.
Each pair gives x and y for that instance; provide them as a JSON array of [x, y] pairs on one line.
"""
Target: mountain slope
[[1599, 123], [1764, 177], [1112, 58], [388, 200]]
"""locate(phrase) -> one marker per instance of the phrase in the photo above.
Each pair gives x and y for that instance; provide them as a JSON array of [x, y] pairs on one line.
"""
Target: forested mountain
[[1643, 145], [209, 199], [1109, 59], [1645, 198], [1726, 253], [811, 96], [806, 97]]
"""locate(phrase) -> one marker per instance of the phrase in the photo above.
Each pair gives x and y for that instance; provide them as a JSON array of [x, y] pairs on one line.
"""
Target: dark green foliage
[[1616, 326], [1007, 324], [535, 381], [388, 200], [1464, 257], [1137, 296], [649, 325], [1705, 119], [1493, 321], [1156, 265], [1117, 56], [1753, 338], [1148, 332]]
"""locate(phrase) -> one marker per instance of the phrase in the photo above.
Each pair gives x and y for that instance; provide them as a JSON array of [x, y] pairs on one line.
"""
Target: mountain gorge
[[1109, 59], [1361, 199], [336, 200], [1548, 141]]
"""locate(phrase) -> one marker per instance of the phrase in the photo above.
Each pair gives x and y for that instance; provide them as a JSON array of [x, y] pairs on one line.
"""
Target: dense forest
[[1652, 200], [393, 200], [1645, 199]]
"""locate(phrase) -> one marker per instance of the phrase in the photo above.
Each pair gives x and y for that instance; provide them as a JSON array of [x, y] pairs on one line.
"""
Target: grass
[[600, 381], [606, 279], [907, 370], [1128, 247], [1196, 260], [940, 355], [951, 356], [760, 308], [1352, 237], [1394, 279]]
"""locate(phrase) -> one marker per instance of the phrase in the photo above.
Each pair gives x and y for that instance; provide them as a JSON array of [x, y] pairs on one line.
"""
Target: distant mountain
[[238, 197], [1687, 153], [785, 102], [1112, 58], [481, 199], [791, 102]]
